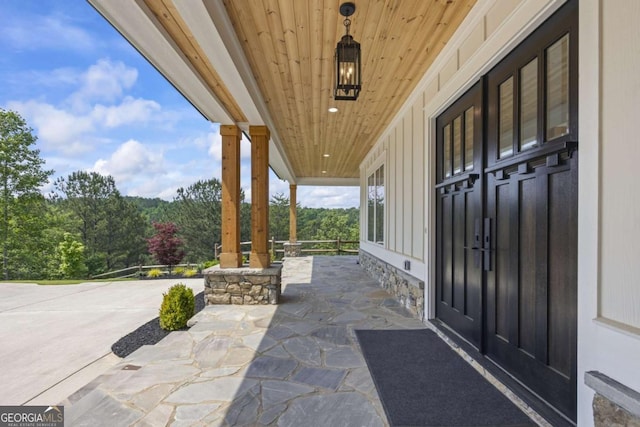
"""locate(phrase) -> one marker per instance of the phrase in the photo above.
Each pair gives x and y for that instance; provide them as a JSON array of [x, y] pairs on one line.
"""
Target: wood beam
[[260, 257], [231, 256], [293, 214]]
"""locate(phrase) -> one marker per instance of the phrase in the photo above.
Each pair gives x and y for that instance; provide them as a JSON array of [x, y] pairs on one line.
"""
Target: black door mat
[[421, 381]]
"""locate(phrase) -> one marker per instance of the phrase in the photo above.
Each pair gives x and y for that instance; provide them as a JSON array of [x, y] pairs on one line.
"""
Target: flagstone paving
[[297, 363]]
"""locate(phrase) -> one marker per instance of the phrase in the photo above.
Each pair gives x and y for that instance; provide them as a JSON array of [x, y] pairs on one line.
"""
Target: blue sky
[[97, 105]]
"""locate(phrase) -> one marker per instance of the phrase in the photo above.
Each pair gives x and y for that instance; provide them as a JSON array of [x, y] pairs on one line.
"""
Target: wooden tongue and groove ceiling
[[289, 45]]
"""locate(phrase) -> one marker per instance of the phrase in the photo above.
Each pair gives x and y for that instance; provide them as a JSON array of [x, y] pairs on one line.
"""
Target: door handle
[[482, 247], [486, 245]]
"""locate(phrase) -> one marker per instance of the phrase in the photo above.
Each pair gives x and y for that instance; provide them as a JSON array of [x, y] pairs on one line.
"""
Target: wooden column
[[293, 214], [260, 257], [231, 257]]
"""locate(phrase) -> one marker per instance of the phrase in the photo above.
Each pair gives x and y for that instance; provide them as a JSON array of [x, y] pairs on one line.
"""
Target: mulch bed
[[148, 334]]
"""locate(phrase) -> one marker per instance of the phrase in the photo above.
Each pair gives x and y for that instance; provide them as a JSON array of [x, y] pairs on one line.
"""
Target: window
[[375, 206], [457, 144], [531, 93]]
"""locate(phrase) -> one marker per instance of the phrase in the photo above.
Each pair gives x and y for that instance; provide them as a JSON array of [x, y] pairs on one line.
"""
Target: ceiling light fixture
[[326, 155], [347, 61], [333, 110]]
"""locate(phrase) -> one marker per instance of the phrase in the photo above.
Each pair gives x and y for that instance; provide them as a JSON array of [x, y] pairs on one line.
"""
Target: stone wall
[[614, 404], [292, 250], [407, 289], [607, 414], [242, 285]]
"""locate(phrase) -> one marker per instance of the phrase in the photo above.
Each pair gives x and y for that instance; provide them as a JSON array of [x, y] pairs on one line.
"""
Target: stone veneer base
[[614, 404], [292, 249], [242, 285], [407, 289]]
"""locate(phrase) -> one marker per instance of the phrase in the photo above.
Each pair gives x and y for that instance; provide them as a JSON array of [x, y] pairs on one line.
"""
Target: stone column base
[[242, 285], [292, 250]]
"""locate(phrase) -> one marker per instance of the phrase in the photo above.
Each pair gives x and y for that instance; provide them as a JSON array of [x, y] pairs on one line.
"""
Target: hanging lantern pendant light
[[347, 61]]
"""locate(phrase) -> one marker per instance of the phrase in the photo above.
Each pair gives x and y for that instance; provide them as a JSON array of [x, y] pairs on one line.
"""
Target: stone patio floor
[[294, 364]]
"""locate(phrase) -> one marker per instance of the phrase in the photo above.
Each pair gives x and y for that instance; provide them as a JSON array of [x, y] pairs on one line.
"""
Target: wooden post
[[259, 197], [231, 257], [293, 215], [338, 246]]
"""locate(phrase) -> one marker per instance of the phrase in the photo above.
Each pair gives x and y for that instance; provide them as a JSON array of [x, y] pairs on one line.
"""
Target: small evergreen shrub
[[190, 272], [154, 272], [179, 270], [178, 306]]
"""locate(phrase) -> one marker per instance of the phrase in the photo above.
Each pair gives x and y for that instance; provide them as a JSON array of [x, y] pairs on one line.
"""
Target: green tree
[[245, 222], [111, 228], [279, 217], [70, 256], [21, 175], [35, 231], [336, 224], [198, 216]]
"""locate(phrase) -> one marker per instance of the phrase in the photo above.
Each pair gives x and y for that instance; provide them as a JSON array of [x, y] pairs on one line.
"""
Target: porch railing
[[309, 247]]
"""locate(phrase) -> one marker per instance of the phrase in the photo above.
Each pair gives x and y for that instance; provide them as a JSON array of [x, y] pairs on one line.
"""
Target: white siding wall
[[609, 203], [403, 146], [620, 153]]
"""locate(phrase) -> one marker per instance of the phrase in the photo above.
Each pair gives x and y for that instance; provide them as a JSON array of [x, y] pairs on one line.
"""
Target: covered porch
[[298, 363]]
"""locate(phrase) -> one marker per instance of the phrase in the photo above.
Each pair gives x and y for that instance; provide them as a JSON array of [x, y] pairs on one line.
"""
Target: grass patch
[[66, 282]]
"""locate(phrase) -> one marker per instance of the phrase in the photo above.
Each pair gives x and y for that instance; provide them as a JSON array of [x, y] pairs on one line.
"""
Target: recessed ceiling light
[[324, 171], [326, 155], [333, 110]]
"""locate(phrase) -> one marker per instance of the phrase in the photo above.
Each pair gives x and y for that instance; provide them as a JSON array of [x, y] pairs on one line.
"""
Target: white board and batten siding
[[401, 150], [608, 200]]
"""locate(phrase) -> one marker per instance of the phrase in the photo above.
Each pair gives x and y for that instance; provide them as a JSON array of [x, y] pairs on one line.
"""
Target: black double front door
[[506, 200]]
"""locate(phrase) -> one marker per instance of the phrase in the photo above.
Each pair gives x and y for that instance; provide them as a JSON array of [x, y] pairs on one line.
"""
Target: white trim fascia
[[140, 28], [375, 164], [201, 25]]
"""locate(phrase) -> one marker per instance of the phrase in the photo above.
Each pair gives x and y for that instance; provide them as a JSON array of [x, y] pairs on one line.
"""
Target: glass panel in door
[[505, 132], [529, 105], [557, 74]]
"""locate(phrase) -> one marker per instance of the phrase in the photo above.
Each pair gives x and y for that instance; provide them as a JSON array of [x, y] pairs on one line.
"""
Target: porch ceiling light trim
[[347, 61]]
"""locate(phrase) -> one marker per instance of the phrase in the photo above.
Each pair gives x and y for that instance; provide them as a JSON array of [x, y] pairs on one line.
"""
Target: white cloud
[[50, 78], [56, 127], [129, 111], [131, 160], [104, 81], [214, 141], [75, 125], [328, 197]]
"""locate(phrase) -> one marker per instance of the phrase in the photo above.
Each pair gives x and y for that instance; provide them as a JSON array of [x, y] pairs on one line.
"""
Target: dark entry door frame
[[506, 232]]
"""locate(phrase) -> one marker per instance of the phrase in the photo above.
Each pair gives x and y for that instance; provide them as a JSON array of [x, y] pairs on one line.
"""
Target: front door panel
[[506, 240], [459, 216]]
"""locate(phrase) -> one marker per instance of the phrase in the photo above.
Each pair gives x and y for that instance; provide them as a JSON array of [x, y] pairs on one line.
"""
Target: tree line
[[85, 226]]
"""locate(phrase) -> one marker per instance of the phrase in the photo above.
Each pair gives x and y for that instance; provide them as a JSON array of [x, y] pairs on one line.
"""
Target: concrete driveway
[[55, 339]]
